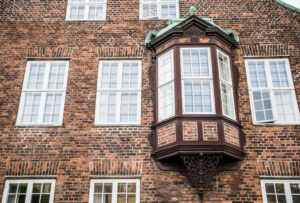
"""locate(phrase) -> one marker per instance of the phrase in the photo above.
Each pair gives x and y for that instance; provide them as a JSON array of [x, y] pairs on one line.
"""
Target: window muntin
[[115, 190], [226, 85], [118, 93], [86, 10], [166, 107], [197, 81], [29, 191], [271, 91], [162, 9], [280, 191], [43, 93]]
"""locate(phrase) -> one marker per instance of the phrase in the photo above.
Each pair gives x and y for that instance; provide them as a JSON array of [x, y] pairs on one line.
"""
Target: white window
[[278, 191], [86, 10], [115, 191], [271, 91], [197, 81], [226, 85], [43, 93], [29, 191], [166, 107], [119, 93], [162, 9]]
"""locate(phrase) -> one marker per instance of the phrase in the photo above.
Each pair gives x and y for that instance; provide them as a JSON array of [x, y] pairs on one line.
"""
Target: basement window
[[86, 10], [29, 191], [43, 94], [280, 191], [159, 9], [272, 93], [115, 191]]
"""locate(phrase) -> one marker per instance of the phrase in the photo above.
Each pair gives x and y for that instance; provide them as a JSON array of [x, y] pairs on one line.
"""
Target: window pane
[[129, 105], [52, 108], [11, 198], [262, 105], [131, 187], [224, 67], [107, 198], [46, 187], [36, 76], [122, 198], [195, 63], [122, 187], [131, 198], [109, 75], [285, 107], [279, 74], [130, 75], [36, 187], [97, 198], [31, 107], [98, 188], [21, 198], [166, 101], [197, 96], [257, 74], [45, 198], [295, 188], [227, 100], [107, 107], [168, 11], [165, 68], [35, 198], [56, 76], [13, 187], [149, 8], [107, 187]]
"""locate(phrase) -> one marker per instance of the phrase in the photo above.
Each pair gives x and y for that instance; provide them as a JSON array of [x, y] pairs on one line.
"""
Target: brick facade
[[231, 134], [210, 131], [78, 149], [166, 134], [190, 131]]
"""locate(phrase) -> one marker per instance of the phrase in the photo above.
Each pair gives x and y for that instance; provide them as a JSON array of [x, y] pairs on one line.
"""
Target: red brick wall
[[210, 131], [38, 28], [190, 131], [166, 134], [231, 134]]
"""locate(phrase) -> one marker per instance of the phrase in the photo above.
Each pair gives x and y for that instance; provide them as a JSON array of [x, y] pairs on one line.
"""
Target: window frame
[[86, 5], [272, 91], [30, 183], [44, 92], [158, 16], [209, 78], [114, 187], [287, 189], [118, 92], [169, 83], [226, 84]]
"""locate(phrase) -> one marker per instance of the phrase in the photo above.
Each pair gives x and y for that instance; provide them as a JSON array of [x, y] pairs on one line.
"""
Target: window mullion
[[86, 12], [28, 192], [115, 191], [42, 107], [158, 9], [118, 106]]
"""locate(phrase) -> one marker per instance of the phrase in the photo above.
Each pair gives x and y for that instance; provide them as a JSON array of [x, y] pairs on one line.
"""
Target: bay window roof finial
[[192, 10]]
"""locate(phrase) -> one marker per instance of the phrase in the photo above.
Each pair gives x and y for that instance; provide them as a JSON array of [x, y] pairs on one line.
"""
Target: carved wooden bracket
[[200, 169]]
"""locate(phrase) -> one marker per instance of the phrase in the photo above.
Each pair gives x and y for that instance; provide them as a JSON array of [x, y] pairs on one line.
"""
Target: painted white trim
[[287, 189], [272, 89], [115, 188], [226, 83], [86, 5], [159, 3], [208, 78], [29, 188], [44, 91], [119, 90]]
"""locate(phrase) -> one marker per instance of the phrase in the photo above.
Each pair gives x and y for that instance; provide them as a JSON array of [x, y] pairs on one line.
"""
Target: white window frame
[[114, 187], [287, 189], [43, 93], [171, 83], [119, 90], [272, 91], [159, 3], [29, 188], [230, 84], [208, 78], [86, 5]]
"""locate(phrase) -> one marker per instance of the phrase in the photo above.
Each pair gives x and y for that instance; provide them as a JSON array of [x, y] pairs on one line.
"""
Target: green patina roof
[[287, 5], [177, 23]]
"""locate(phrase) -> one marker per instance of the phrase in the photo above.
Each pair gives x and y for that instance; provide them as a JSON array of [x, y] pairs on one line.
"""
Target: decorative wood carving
[[200, 169]]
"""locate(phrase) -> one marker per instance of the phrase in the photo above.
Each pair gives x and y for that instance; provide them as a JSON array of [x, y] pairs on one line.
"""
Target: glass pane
[[270, 188], [131, 187], [165, 68], [279, 188], [107, 198], [13, 187], [295, 188], [98, 188], [281, 198], [36, 188], [107, 187], [21, 198], [22, 188], [98, 198], [131, 198], [296, 198], [11, 199], [122, 187], [45, 198], [122, 198], [271, 198], [35, 198], [46, 187]]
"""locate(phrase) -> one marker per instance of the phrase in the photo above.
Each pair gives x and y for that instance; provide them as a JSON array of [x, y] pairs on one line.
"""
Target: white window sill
[[87, 20], [39, 125], [117, 124], [276, 124]]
